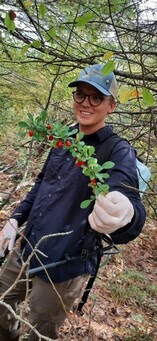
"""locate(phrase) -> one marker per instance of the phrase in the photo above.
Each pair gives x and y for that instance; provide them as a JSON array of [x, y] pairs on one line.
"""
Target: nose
[[86, 101]]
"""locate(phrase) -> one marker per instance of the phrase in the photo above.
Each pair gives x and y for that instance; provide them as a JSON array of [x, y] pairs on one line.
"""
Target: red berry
[[60, 144], [51, 137], [48, 126], [93, 182], [12, 14], [31, 133], [68, 143], [79, 163]]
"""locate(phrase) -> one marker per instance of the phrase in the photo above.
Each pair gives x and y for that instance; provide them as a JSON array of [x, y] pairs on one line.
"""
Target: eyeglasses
[[94, 99]]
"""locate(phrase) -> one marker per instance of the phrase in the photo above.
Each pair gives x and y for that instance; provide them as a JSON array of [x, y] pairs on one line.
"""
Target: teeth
[[85, 113]]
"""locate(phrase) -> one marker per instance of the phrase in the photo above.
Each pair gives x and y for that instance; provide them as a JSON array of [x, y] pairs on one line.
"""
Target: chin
[[85, 122]]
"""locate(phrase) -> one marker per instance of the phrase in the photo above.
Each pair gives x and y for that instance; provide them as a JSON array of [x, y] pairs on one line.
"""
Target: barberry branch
[[62, 136]]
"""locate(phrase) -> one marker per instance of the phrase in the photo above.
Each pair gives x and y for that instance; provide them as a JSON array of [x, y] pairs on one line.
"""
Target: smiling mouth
[[85, 113]]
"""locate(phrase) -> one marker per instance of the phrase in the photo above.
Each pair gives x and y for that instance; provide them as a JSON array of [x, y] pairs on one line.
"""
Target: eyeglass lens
[[94, 99]]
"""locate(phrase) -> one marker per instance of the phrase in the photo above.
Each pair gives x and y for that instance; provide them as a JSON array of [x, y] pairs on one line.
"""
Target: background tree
[[45, 44]]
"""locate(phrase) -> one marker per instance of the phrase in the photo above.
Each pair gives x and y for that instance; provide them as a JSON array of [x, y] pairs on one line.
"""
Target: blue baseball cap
[[92, 75]]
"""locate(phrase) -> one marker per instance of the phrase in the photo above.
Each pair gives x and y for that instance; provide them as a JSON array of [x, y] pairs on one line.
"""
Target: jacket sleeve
[[22, 212], [123, 178]]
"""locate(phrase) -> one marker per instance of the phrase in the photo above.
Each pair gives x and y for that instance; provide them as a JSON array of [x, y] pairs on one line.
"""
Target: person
[[57, 228]]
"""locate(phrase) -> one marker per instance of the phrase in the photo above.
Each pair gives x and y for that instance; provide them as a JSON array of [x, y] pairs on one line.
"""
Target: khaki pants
[[46, 309]]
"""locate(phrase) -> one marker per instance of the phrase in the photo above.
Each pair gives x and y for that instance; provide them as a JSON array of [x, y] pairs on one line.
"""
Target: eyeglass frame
[[102, 97]]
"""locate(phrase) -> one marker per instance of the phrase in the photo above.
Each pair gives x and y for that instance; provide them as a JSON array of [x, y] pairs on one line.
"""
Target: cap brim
[[97, 86]]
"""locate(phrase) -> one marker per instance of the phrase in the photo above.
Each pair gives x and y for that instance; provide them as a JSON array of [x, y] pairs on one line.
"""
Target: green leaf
[[108, 55], [58, 125], [37, 121], [9, 23], [27, 4], [36, 44], [86, 171], [30, 116], [81, 143], [50, 34], [72, 132], [12, 26], [7, 20], [102, 176], [25, 48], [79, 136], [91, 150], [147, 97], [23, 124], [43, 115], [64, 130], [108, 67], [105, 175], [42, 10], [105, 189], [86, 203], [108, 165], [84, 19], [93, 162]]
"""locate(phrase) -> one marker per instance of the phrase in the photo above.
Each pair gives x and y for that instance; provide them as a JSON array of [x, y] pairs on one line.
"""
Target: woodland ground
[[123, 302]]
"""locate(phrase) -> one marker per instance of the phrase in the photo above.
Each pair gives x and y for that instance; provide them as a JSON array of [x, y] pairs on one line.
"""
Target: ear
[[112, 107]]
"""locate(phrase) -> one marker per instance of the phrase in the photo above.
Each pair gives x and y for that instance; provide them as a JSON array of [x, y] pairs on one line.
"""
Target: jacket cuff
[[129, 232]]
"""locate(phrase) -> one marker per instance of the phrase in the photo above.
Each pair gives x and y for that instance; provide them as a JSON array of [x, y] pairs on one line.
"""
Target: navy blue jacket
[[53, 206]]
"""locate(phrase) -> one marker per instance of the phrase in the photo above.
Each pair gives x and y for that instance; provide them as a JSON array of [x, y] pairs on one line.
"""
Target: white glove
[[111, 212], [8, 232]]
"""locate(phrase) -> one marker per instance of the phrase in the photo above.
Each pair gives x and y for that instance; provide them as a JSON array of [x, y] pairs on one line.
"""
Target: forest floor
[[122, 305], [123, 302]]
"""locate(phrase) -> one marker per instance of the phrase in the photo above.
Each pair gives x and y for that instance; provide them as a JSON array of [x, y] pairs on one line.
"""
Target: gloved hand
[[111, 212], [8, 232]]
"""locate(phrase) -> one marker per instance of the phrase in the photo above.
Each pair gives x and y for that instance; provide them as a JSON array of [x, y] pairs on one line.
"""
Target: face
[[91, 118]]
